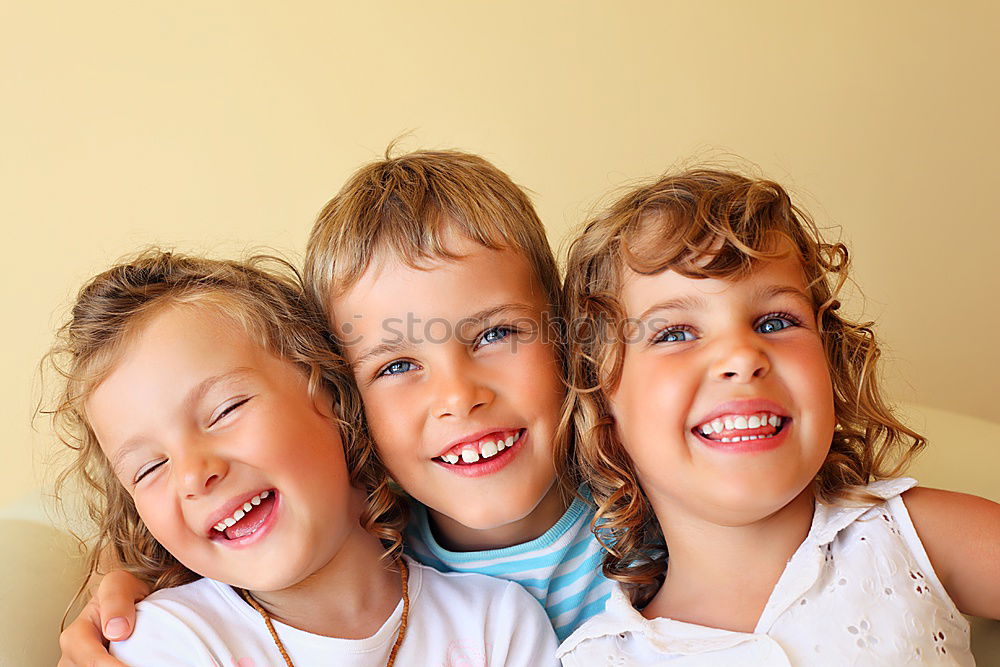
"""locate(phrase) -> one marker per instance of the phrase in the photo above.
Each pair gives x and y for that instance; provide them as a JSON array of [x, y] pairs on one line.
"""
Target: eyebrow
[[680, 303], [395, 346], [773, 291], [193, 396]]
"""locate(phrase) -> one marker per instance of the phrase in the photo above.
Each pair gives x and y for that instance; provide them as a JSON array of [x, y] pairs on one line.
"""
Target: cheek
[[535, 372], [815, 380], [651, 393], [385, 424], [161, 518]]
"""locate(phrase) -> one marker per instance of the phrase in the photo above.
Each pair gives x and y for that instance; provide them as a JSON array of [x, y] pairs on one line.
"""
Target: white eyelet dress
[[859, 590]]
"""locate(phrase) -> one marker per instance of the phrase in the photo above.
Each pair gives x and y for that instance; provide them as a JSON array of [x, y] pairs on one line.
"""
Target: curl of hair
[[707, 223], [264, 296]]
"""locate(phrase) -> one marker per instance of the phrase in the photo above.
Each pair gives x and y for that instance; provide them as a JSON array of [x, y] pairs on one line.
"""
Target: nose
[[457, 392], [197, 472], [740, 359]]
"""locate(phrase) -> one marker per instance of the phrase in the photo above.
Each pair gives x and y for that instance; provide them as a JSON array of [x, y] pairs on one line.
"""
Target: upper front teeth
[[484, 450], [740, 422], [230, 521]]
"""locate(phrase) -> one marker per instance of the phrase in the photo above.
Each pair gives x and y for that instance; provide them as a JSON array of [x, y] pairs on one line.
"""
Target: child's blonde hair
[[264, 297], [706, 223], [403, 207]]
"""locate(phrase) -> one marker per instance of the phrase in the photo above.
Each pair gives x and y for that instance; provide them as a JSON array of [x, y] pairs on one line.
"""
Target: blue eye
[[674, 335], [397, 368], [773, 324], [494, 335]]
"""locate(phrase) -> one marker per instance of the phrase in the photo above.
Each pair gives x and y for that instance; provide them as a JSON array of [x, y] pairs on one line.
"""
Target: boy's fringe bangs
[[408, 207], [705, 223]]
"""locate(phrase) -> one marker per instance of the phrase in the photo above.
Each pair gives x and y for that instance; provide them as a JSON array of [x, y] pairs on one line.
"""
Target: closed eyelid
[[146, 470], [227, 408]]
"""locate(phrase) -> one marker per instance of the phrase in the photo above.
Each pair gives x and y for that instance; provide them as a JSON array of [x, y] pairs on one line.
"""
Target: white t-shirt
[[859, 590], [455, 620], [561, 568]]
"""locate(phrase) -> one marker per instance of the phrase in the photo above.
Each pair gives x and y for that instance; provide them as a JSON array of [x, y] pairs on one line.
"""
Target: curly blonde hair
[[707, 223], [265, 297]]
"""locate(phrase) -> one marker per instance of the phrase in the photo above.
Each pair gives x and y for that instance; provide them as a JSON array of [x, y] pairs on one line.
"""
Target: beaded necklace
[[404, 576]]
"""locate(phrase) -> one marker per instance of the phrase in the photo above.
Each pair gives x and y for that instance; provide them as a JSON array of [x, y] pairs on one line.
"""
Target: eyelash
[[505, 329], [384, 371], [145, 471], [793, 321], [229, 409], [659, 336]]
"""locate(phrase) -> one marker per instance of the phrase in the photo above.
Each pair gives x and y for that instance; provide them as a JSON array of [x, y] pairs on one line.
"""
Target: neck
[[455, 536], [334, 601], [722, 576]]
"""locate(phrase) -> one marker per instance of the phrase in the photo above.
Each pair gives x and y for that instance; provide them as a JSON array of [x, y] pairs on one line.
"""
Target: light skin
[[497, 374], [734, 513], [195, 419], [473, 364]]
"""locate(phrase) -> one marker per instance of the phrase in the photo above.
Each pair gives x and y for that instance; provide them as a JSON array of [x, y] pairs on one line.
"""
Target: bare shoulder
[[937, 504], [961, 534]]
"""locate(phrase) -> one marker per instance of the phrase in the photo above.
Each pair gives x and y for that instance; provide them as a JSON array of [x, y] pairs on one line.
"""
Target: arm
[[961, 534], [83, 643]]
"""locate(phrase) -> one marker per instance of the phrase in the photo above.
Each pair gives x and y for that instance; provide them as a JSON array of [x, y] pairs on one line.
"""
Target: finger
[[82, 643], [116, 598]]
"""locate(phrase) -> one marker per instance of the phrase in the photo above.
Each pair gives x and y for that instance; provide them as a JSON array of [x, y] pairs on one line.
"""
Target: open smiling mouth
[[247, 519], [742, 428], [484, 449]]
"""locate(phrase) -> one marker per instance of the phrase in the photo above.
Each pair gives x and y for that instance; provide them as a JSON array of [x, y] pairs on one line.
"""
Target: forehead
[[172, 347], [641, 292], [449, 288]]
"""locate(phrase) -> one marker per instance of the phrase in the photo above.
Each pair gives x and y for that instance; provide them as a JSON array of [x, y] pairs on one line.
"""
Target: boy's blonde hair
[[706, 223], [403, 207], [264, 297]]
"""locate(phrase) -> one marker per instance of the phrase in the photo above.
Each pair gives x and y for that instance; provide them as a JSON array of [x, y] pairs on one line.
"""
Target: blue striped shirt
[[561, 569]]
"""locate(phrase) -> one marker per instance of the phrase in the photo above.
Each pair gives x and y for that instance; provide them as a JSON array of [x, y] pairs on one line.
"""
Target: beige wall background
[[218, 126]]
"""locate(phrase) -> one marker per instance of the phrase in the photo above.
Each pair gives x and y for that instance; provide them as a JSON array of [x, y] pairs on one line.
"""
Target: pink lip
[[489, 466], [473, 438], [747, 446], [742, 407], [257, 535], [227, 510]]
